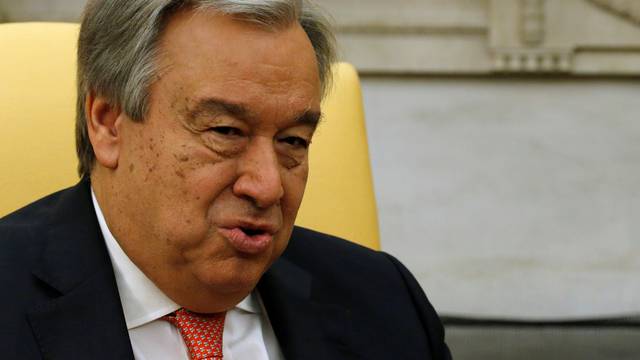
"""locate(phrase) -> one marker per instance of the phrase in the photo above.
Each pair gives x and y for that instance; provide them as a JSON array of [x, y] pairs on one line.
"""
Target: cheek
[[207, 180], [196, 171], [140, 154], [191, 184], [294, 182]]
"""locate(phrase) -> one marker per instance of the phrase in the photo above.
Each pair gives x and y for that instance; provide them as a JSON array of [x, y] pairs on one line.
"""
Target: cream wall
[[40, 10], [511, 198]]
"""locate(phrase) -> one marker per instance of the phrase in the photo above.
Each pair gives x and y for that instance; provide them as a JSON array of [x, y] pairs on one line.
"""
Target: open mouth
[[252, 232], [249, 240]]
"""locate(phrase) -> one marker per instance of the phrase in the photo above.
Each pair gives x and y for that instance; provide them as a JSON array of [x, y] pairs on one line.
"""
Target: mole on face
[[150, 170]]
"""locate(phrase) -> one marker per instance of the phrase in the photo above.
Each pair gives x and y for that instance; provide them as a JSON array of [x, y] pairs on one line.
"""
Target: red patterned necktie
[[202, 333]]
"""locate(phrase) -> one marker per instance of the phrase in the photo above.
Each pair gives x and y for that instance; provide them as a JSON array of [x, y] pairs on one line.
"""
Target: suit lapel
[[305, 328], [86, 319]]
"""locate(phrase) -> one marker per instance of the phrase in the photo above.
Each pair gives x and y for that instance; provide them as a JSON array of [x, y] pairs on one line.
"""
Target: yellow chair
[[37, 154]]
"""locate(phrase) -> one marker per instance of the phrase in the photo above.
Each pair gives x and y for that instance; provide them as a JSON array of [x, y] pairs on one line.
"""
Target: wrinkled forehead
[[206, 54]]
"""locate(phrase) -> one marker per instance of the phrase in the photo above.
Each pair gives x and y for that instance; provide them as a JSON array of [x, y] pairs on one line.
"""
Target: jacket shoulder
[[341, 260], [23, 233], [380, 291], [32, 214]]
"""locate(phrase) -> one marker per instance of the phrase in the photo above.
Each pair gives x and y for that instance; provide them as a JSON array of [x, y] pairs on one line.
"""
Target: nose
[[259, 178]]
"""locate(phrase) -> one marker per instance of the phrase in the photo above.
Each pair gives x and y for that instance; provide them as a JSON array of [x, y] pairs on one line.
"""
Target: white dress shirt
[[247, 331]]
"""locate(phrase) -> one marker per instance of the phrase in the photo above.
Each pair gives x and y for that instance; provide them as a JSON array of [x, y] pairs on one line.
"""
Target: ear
[[103, 122]]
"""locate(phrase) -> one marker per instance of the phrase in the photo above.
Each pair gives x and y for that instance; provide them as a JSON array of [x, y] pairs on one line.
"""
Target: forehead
[[205, 53]]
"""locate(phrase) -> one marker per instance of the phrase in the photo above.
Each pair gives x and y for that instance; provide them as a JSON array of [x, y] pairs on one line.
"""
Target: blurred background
[[505, 146]]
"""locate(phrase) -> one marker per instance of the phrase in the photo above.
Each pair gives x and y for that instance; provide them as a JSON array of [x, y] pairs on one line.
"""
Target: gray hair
[[117, 49]]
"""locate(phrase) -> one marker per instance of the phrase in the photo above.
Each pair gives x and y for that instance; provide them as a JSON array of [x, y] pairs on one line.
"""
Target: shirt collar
[[142, 301]]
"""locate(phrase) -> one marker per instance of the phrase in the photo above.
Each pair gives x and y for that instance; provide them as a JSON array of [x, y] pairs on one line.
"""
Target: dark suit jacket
[[326, 298]]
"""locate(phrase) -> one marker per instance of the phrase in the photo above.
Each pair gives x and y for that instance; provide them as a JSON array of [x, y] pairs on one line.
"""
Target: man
[[193, 125]]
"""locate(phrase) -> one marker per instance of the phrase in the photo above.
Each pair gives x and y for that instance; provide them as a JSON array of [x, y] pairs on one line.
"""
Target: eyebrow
[[215, 106]]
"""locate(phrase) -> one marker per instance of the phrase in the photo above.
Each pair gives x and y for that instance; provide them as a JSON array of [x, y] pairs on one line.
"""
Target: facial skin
[[221, 154]]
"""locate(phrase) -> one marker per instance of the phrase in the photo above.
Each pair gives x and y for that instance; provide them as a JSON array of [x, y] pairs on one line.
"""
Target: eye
[[295, 141], [226, 130]]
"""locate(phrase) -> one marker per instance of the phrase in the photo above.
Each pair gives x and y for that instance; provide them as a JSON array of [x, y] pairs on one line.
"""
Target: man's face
[[211, 181]]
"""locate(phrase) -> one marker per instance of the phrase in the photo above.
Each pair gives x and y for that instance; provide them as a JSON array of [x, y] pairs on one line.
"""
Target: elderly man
[[193, 125]]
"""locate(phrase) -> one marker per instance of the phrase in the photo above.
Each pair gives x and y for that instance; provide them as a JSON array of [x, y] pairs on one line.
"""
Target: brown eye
[[296, 142], [226, 131]]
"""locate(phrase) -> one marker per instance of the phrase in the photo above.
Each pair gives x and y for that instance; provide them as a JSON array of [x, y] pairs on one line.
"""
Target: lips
[[249, 238]]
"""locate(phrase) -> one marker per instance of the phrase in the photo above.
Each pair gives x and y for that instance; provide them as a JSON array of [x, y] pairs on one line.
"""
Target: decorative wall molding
[[522, 60], [628, 9], [485, 37], [466, 37], [544, 39], [532, 22]]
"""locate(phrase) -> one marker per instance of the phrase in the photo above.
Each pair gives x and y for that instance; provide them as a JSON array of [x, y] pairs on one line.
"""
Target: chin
[[239, 277], [221, 296]]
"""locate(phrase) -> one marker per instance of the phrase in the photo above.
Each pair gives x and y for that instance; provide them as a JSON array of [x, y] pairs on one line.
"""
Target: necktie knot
[[202, 333]]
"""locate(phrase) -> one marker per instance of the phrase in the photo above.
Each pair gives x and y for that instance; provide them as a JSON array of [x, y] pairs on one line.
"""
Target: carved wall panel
[[626, 8], [571, 37]]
